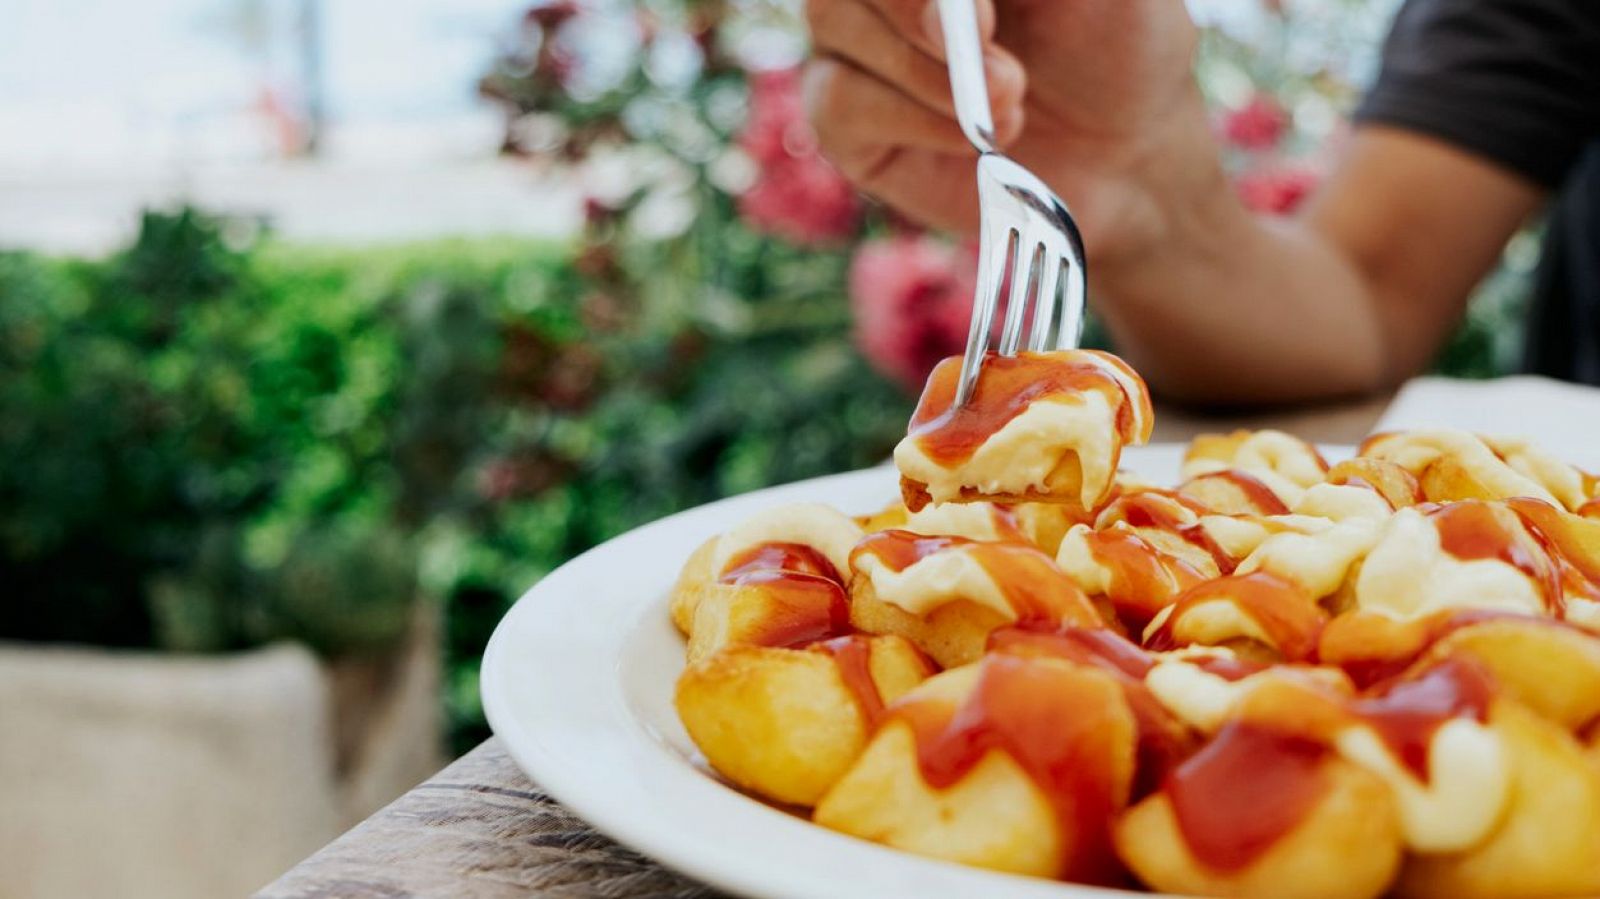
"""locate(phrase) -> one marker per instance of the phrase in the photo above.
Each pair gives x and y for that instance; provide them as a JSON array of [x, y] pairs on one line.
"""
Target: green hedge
[[210, 442]]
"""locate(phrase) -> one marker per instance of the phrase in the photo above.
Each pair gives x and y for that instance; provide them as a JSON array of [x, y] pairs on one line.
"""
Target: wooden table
[[480, 829]]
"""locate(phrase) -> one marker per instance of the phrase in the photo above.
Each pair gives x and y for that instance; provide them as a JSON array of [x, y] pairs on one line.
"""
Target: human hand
[[1095, 96]]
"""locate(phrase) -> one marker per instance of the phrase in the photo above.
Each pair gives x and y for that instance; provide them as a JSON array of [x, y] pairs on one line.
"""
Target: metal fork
[[1026, 234]]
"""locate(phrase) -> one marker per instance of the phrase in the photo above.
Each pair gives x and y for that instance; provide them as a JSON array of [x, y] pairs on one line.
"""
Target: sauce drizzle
[[795, 557], [1474, 529], [1035, 589], [853, 656], [1407, 713], [806, 608], [1061, 725], [1243, 791], [1288, 617], [1006, 386]]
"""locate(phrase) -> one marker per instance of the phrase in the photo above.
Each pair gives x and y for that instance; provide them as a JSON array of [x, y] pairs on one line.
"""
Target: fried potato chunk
[[1015, 764], [693, 581], [945, 594], [1283, 463], [786, 723], [1548, 840], [802, 538], [774, 608], [1346, 847], [1553, 670], [1038, 427]]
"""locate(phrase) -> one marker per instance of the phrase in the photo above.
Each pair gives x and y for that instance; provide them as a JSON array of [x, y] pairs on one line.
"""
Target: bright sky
[[85, 81]]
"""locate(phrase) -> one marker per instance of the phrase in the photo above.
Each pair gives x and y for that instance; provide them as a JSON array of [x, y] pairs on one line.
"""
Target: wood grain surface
[[479, 829]]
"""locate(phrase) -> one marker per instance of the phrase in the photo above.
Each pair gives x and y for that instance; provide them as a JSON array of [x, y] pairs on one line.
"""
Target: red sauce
[[1259, 495], [1062, 725], [1244, 791], [1162, 741], [1229, 668], [1589, 733], [1144, 580], [796, 557], [1172, 513], [853, 656], [1580, 571], [1034, 588], [1283, 611], [1006, 526], [1006, 386], [1473, 529], [1407, 713], [899, 550], [1084, 646], [1162, 509], [805, 608]]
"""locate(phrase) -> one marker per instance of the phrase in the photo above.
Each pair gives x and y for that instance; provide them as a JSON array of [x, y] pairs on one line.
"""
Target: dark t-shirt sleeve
[[1517, 81]]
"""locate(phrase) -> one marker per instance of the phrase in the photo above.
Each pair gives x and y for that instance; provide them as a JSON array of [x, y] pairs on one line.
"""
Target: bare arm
[[1356, 293], [1212, 303]]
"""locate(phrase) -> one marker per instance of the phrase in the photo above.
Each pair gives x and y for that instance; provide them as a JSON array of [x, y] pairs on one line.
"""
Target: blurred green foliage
[[210, 442]]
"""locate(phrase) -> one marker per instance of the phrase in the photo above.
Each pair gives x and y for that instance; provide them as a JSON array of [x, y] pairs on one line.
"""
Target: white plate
[[577, 681]]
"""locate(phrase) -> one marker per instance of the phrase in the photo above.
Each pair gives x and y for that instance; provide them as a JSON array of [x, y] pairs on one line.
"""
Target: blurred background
[[327, 328]]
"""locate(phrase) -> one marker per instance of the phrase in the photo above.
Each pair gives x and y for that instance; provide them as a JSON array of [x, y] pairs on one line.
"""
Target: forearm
[[1217, 305], [1240, 308]]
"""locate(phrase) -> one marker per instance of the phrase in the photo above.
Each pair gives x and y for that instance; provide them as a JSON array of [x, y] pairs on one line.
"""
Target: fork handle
[[963, 52]]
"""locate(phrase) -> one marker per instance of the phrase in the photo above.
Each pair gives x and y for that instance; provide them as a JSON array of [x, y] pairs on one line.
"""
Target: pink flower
[[551, 16], [1276, 190], [796, 195], [1257, 125], [912, 298]]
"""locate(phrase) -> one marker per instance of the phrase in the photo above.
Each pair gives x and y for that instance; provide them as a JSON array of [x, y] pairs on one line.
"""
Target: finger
[[857, 32], [896, 150], [855, 114], [933, 188]]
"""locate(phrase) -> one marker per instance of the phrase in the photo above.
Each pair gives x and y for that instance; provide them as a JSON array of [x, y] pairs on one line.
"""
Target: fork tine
[[1021, 280], [1074, 291], [1044, 307], [993, 244]]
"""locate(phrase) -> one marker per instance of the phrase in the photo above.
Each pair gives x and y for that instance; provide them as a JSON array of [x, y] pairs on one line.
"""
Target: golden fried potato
[[1232, 492], [986, 724], [945, 594], [893, 515], [953, 634], [1346, 847], [1283, 463], [994, 818], [1575, 537], [1064, 486], [1449, 479], [692, 583], [1453, 465], [1040, 524], [1396, 485], [1548, 841], [1553, 670], [784, 723], [804, 538], [1060, 443], [770, 609]]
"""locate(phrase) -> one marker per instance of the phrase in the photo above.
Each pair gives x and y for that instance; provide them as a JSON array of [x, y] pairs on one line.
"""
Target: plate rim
[[676, 839]]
